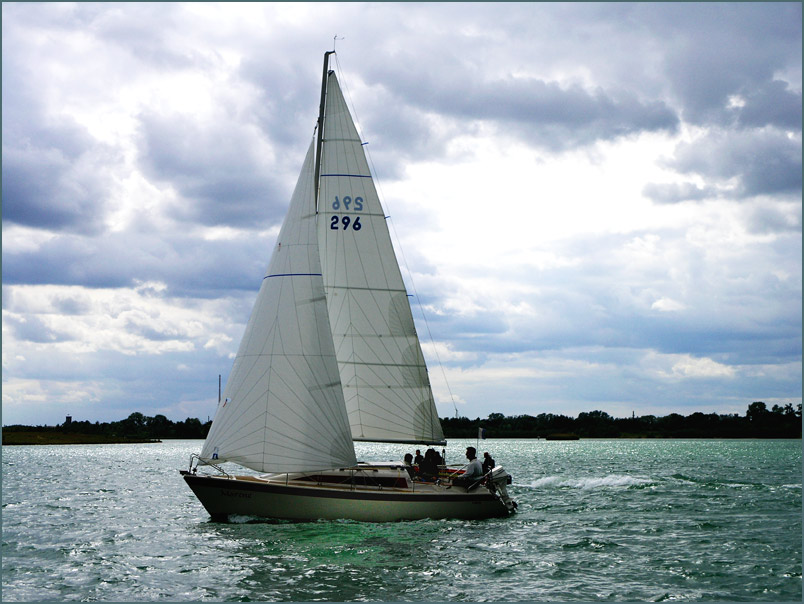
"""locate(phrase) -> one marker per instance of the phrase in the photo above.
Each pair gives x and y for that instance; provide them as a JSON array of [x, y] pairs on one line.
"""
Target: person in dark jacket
[[488, 463], [428, 468]]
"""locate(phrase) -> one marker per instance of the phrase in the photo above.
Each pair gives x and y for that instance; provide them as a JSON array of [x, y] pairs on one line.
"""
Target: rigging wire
[[390, 219]]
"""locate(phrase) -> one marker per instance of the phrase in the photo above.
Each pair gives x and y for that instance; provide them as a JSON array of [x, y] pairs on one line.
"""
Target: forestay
[[283, 407], [382, 369]]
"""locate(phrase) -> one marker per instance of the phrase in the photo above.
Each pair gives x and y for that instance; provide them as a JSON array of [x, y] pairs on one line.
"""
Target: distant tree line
[[758, 422], [135, 425]]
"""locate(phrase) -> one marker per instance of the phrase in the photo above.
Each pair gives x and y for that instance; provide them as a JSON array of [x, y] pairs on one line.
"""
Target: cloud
[[687, 366], [775, 217], [733, 164], [55, 175], [677, 192], [715, 51], [561, 118], [218, 168], [600, 203], [541, 112], [618, 380], [34, 329], [115, 349], [759, 162], [191, 265], [641, 292], [667, 305], [772, 104]]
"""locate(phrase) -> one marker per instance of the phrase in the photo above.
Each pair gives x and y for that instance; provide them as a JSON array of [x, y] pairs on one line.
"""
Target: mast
[[320, 133]]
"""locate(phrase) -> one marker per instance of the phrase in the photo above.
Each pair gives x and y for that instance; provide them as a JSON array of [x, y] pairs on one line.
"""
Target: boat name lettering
[[345, 221], [235, 494], [357, 203]]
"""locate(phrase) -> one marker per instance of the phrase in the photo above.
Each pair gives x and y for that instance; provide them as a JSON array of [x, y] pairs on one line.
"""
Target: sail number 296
[[348, 204]]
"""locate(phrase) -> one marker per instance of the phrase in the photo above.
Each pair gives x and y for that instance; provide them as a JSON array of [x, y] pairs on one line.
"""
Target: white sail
[[383, 372], [283, 407], [330, 354]]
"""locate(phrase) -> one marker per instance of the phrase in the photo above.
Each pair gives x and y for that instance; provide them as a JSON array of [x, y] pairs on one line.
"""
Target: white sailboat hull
[[281, 497]]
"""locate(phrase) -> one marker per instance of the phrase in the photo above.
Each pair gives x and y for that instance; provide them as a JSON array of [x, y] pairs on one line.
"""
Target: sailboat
[[330, 356]]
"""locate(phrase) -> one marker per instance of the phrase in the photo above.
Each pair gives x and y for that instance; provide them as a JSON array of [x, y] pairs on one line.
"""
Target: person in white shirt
[[474, 470]]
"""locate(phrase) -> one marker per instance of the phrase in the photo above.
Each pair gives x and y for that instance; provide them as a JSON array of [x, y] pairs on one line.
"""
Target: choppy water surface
[[597, 520]]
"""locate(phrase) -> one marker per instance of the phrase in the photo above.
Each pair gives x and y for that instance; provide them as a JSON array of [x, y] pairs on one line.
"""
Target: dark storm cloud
[[650, 64], [286, 107], [543, 113], [773, 104], [189, 266], [723, 63], [712, 64], [55, 175], [715, 50], [580, 117], [32, 328], [736, 165], [764, 162], [560, 117], [216, 169]]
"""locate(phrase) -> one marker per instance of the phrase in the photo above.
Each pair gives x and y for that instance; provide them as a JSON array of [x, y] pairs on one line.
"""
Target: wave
[[713, 483], [591, 482]]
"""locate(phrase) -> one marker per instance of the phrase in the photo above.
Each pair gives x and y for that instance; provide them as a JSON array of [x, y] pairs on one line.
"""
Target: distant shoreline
[[61, 438], [778, 422]]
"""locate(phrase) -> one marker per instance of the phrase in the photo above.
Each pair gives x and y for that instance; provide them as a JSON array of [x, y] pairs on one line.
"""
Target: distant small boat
[[330, 356], [568, 436]]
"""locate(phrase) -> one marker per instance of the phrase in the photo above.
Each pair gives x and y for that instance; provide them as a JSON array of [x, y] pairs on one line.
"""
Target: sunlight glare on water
[[646, 520]]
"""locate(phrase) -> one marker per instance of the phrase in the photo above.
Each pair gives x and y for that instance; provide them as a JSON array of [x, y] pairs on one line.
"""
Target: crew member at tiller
[[474, 470]]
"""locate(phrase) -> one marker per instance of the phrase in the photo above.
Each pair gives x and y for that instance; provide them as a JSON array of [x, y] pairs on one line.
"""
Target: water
[[597, 520]]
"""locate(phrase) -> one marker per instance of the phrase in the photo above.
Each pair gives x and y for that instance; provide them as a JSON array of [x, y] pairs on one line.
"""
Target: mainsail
[[283, 407], [330, 353], [382, 368]]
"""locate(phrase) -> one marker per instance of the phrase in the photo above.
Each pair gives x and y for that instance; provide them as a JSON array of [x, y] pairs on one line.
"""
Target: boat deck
[[368, 478]]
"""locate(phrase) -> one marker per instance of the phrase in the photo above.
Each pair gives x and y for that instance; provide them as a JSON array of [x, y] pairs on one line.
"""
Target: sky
[[597, 206]]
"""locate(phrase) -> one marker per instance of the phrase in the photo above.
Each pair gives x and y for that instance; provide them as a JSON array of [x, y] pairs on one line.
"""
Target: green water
[[598, 520]]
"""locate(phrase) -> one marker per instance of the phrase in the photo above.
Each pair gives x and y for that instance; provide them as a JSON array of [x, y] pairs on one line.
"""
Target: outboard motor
[[497, 483]]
